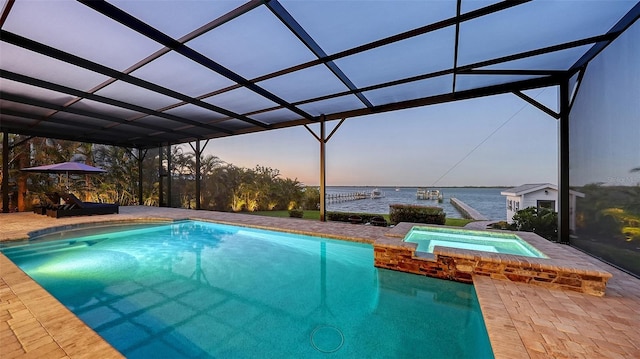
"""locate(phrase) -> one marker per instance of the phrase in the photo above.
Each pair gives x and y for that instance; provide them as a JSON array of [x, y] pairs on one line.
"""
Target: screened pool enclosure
[[145, 75]]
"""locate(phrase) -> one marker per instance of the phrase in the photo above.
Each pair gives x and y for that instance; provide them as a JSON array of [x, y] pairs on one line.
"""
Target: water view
[[488, 201]]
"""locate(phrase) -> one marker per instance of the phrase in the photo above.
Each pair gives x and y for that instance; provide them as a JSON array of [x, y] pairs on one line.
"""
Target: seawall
[[467, 211]]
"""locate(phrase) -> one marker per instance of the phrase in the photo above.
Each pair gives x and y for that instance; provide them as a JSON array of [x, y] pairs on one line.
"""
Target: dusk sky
[[416, 147]]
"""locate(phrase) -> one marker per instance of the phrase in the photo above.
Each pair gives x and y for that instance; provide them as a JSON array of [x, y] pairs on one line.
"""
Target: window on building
[[547, 204]]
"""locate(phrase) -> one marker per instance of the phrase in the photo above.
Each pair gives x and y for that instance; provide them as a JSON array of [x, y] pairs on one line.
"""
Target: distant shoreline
[[381, 186]]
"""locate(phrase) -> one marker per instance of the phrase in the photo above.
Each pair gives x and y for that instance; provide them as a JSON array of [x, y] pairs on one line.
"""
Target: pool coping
[[522, 321]]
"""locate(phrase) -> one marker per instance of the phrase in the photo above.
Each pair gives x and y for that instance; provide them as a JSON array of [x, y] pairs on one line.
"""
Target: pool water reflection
[[197, 289]]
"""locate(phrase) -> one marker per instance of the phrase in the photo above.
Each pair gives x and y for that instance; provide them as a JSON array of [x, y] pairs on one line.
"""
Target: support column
[[323, 139], [563, 164], [161, 175], [169, 184], [140, 158], [198, 173], [22, 159], [323, 189], [197, 151], [5, 172]]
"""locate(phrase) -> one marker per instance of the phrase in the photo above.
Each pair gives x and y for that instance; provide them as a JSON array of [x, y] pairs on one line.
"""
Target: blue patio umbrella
[[65, 167]]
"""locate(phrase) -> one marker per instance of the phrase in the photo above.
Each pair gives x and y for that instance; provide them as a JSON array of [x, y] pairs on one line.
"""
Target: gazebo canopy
[[148, 73]]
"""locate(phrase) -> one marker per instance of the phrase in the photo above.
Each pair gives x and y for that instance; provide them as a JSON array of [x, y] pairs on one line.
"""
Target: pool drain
[[327, 339]]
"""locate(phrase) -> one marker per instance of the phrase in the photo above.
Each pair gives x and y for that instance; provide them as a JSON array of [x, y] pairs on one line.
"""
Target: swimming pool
[[429, 237], [198, 289]]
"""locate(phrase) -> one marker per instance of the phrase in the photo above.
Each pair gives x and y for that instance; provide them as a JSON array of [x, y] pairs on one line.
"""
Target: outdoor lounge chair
[[52, 201], [378, 221], [75, 207], [355, 219]]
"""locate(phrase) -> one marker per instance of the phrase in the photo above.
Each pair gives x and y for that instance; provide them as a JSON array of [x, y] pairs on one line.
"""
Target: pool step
[[47, 247]]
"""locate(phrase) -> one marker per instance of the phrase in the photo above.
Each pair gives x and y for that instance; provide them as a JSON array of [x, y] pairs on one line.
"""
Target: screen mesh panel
[[183, 70]]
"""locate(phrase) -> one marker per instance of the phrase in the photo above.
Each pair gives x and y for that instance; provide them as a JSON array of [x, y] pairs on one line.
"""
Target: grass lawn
[[307, 214], [455, 222], [458, 222]]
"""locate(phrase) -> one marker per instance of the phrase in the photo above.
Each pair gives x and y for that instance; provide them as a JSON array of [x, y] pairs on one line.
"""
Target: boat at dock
[[376, 193], [427, 194]]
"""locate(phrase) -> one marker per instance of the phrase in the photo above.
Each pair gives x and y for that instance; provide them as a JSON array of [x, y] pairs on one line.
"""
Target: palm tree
[[183, 175], [208, 187], [118, 183]]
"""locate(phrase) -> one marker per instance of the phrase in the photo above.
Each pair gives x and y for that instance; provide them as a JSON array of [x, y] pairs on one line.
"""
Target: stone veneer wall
[[461, 265]]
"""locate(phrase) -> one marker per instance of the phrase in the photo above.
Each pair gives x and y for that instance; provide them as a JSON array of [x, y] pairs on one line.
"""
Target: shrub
[[416, 214], [502, 225], [542, 221], [350, 217], [296, 213], [311, 198]]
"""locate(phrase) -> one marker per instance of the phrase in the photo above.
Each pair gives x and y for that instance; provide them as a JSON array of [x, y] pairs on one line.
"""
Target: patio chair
[[75, 207], [378, 221], [52, 201]]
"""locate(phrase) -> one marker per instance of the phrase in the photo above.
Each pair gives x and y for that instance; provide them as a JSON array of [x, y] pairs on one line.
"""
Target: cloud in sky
[[416, 147]]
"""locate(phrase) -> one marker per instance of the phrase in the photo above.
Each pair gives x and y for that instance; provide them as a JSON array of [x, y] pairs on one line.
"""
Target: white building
[[539, 195]]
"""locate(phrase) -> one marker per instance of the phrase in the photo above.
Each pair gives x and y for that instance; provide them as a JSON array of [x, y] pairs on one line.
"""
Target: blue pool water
[[429, 237], [196, 289]]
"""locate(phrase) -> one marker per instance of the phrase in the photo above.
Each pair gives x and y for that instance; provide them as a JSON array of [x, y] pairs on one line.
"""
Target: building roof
[[535, 187], [527, 188], [142, 74]]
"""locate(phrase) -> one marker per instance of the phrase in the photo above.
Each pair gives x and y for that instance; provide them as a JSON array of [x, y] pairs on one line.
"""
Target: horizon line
[[392, 186]]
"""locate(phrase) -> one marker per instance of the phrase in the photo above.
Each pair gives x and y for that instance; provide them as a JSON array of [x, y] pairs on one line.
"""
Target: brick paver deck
[[523, 321]]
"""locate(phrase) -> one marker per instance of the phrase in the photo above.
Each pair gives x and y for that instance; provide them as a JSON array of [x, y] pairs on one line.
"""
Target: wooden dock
[[345, 197], [467, 211]]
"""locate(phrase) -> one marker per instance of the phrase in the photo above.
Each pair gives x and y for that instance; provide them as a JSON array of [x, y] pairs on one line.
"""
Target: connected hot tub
[[428, 238]]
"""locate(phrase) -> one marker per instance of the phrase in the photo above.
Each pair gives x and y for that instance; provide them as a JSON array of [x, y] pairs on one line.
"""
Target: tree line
[[224, 186]]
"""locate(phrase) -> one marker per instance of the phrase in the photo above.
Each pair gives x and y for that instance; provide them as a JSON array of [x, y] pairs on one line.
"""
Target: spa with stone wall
[[462, 265]]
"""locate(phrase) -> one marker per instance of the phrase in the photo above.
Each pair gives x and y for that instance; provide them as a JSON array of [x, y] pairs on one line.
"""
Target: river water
[[488, 201]]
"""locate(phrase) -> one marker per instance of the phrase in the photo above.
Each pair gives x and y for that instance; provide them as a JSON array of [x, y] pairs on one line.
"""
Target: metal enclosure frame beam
[[105, 100], [198, 173], [49, 51], [312, 45], [154, 34], [323, 169], [563, 164], [180, 47], [623, 24], [169, 176], [160, 176], [198, 150], [140, 157], [5, 171], [91, 129], [323, 139]]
